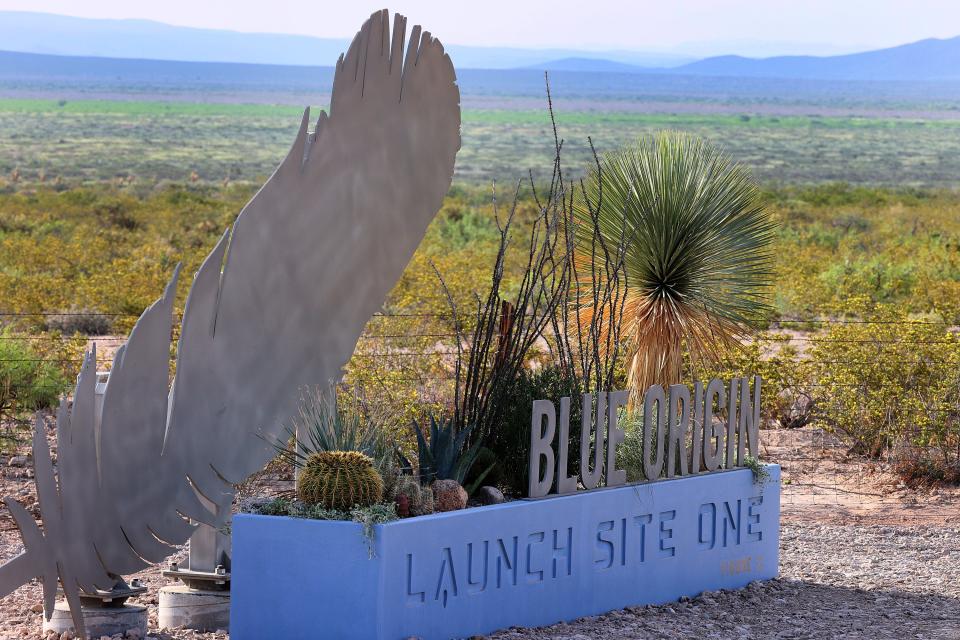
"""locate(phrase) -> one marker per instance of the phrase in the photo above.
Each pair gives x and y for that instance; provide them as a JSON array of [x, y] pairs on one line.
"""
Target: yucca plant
[[446, 456], [697, 251]]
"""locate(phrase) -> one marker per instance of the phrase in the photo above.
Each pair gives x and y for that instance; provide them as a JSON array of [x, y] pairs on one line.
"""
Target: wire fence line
[[428, 314], [404, 352], [822, 479], [25, 335]]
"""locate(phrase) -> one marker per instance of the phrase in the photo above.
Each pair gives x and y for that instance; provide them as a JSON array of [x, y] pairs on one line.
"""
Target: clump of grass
[[761, 475]]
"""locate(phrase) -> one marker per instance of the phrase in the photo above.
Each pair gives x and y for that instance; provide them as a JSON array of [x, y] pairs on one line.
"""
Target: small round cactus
[[412, 499], [340, 480]]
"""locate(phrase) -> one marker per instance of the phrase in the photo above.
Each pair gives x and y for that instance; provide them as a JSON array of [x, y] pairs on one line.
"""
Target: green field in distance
[[97, 140]]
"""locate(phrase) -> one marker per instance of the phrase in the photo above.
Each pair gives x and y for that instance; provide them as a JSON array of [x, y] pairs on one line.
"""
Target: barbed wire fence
[[823, 477]]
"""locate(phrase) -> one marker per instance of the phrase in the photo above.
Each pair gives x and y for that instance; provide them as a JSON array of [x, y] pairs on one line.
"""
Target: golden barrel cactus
[[340, 480]]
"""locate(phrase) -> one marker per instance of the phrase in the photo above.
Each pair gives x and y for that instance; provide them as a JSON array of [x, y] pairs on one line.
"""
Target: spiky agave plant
[[446, 455], [325, 422], [698, 259]]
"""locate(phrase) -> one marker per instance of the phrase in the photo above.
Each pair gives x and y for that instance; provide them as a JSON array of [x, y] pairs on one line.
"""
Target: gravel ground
[[837, 581]]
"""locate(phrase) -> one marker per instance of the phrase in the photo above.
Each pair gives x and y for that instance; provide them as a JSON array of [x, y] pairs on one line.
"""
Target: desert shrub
[[27, 381], [918, 468], [403, 388], [891, 379], [83, 321], [944, 297], [876, 276], [849, 221], [462, 227], [787, 399], [510, 442], [842, 194], [630, 451], [118, 212], [65, 353]]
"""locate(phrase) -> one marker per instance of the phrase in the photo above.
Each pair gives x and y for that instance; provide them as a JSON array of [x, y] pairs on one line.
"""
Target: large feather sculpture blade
[[279, 303]]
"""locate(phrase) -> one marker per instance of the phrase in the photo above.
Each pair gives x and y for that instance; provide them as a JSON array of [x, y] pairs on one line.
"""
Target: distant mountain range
[[927, 60], [590, 64], [29, 32], [931, 59]]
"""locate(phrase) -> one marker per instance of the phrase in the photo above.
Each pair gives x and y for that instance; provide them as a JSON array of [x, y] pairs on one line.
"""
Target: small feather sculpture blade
[[279, 303]]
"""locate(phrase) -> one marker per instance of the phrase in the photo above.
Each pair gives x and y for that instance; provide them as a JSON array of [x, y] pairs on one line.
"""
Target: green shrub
[[630, 451], [368, 516], [761, 475], [510, 442], [27, 382], [919, 468], [891, 379], [461, 228], [787, 399]]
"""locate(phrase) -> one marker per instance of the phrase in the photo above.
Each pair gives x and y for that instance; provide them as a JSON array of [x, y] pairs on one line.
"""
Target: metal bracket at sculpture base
[[217, 580], [114, 598], [208, 562]]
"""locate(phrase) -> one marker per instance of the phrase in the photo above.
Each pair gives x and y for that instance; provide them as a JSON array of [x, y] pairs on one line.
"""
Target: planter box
[[524, 563]]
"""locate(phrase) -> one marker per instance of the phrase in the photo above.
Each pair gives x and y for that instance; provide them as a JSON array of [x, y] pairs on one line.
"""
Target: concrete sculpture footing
[[181, 606], [100, 621]]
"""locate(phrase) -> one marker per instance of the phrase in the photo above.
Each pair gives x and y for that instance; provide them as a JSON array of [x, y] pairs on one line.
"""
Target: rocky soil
[[861, 557], [837, 581]]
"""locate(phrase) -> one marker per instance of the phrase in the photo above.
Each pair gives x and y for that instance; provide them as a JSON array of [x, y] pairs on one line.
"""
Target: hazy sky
[[758, 27]]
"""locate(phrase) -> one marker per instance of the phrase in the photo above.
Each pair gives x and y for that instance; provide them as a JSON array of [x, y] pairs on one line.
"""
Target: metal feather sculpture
[[280, 302]]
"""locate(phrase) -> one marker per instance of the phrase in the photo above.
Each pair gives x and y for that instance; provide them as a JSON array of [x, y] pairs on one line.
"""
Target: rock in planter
[[489, 495], [448, 495]]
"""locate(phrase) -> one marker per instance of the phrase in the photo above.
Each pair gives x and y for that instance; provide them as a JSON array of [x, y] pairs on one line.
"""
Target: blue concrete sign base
[[524, 563]]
